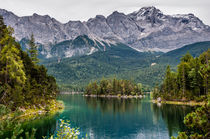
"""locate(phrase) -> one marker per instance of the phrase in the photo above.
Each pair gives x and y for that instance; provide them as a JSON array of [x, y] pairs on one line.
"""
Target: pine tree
[[33, 50], [205, 70], [195, 77], [187, 57]]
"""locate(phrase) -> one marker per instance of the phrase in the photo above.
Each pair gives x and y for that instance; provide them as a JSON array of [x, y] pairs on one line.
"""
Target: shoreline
[[54, 107], [189, 103], [70, 93], [116, 96]]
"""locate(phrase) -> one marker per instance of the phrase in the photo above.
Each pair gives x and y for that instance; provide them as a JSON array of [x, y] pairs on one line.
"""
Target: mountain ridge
[[147, 29]]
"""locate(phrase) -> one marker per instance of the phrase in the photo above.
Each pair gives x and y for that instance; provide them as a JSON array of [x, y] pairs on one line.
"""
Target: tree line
[[22, 81], [190, 82], [113, 87]]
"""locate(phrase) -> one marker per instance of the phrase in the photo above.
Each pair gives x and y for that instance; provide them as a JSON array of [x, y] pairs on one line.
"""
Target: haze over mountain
[[143, 30]]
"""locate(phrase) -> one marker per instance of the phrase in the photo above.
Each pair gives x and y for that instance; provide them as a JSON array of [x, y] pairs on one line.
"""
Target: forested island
[[26, 90], [114, 87]]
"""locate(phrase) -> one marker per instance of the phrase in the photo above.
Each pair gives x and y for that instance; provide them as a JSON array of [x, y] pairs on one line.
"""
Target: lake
[[114, 118]]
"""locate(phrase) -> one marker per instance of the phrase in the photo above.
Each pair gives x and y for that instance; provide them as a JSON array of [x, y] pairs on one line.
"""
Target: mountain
[[81, 45], [118, 61], [145, 30]]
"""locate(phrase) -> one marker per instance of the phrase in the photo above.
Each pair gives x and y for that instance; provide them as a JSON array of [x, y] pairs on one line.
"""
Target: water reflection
[[113, 105], [45, 126], [172, 116], [117, 118]]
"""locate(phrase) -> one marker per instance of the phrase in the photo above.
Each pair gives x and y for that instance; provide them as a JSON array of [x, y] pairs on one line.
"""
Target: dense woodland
[[114, 87], [22, 81], [190, 82]]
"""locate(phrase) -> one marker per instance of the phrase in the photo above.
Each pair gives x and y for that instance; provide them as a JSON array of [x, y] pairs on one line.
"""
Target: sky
[[65, 10]]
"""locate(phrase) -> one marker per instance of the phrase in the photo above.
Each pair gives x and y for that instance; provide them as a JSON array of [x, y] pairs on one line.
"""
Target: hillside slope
[[78, 71], [118, 61], [173, 57]]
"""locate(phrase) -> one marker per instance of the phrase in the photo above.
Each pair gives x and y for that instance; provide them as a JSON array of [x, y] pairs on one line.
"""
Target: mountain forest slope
[[118, 61]]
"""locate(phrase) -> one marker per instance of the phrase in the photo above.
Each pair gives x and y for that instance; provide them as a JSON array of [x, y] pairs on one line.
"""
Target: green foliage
[[197, 123], [190, 82], [9, 123], [182, 135], [66, 132], [114, 87], [22, 82]]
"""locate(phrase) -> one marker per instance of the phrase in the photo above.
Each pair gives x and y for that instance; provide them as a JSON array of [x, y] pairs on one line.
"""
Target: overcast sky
[[65, 10]]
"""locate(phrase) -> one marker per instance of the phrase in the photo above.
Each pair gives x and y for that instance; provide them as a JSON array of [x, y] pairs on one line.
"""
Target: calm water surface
[[114, 118]]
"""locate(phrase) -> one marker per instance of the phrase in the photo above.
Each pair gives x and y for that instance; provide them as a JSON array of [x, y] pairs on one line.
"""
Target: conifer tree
[[205, 70], [195, 77], [33, 50]]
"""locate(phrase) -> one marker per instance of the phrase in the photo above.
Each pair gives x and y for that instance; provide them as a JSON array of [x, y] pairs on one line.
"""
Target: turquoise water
[[104, 118]]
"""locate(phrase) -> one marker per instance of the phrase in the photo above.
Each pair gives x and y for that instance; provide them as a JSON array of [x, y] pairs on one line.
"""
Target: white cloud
[[65, 10]]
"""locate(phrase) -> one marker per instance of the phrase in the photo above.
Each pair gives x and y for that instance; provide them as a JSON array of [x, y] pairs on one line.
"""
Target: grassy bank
[[33, 112], [190, 103]]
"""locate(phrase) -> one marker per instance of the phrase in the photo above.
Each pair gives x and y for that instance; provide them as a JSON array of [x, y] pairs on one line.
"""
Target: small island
[[114, 88]]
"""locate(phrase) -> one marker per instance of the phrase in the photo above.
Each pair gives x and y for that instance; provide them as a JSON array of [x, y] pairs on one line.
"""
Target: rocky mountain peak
[[147, 12], [116, 14], [35, 15], [41, 18], [100, 17], [146, 29]]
